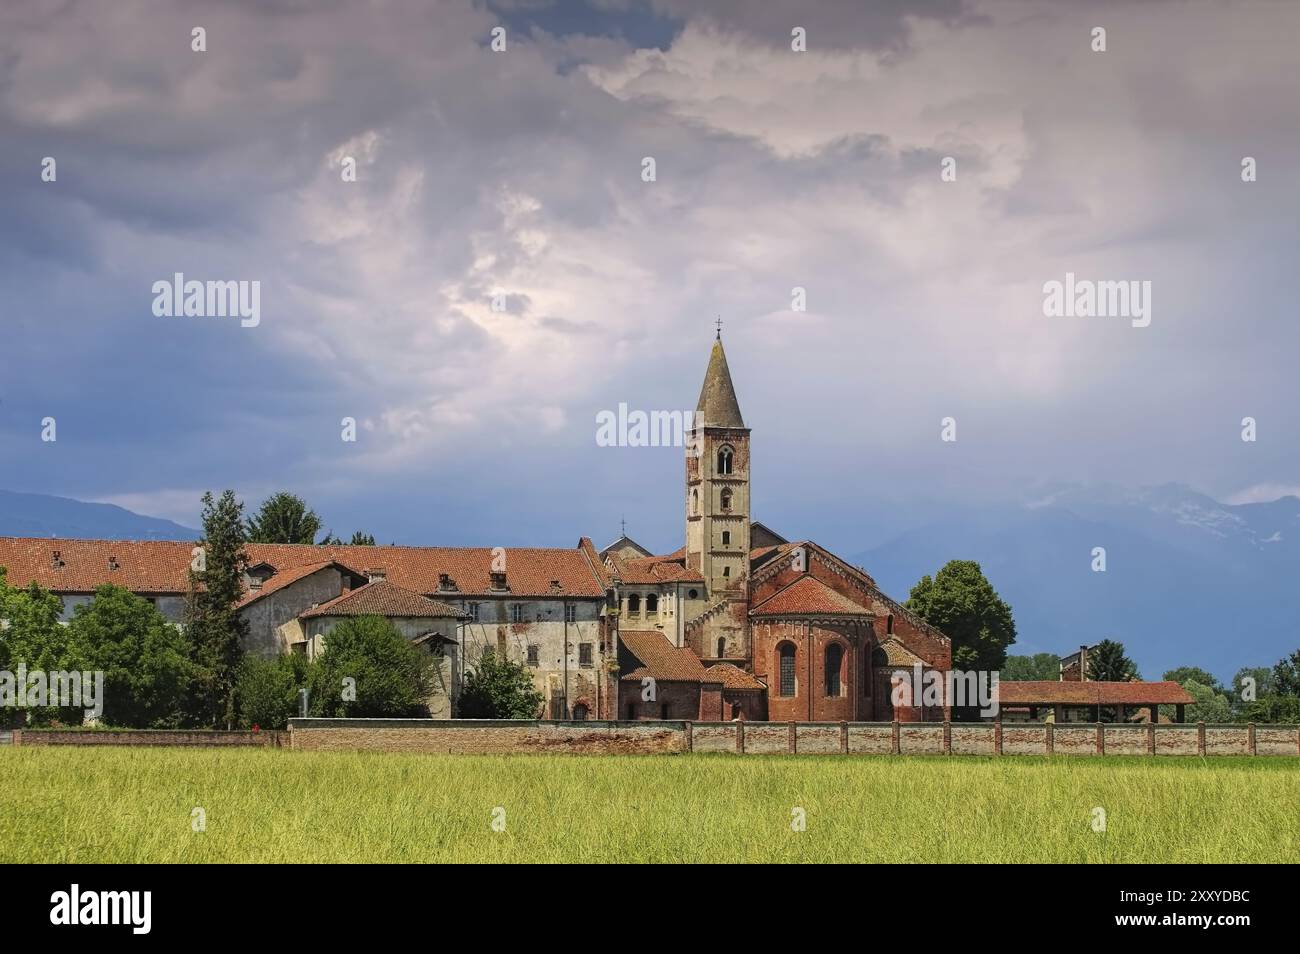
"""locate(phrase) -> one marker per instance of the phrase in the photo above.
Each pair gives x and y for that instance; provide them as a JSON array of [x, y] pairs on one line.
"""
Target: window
[[634, 604], [722, 646], [834, 657], [571, 613], [499, 581], [787, 669], [584, 654], [724, 460], [517, 613], [652, 604], [695, 501], [580, 712], [889, 624], [726, 571], [532, 654], [472, 609], [693, 594], [726, 538], [663, 712], [726, 499], [631, 711]]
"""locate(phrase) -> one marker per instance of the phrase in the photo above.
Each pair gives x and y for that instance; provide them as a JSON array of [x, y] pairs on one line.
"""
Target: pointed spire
[[718, 406]]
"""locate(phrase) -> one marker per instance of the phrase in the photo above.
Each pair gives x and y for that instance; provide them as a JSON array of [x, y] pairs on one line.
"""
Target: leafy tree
[[360, 539], [1210, 706], [1182, 674], [499, 689], [1107, 663], [1028, 668], [966, 608], [283, 518], [215, 629], [268, 689], [1286, 675], [391, 676], [144, 658], [34, 638]]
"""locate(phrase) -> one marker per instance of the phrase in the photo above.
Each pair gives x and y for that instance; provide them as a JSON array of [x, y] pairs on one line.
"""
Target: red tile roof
[[897, 654], [1048, 692], [659, 658], [293, 575], [652, 570], [157, 566], [731, 677], [808, 596], [382, 598]]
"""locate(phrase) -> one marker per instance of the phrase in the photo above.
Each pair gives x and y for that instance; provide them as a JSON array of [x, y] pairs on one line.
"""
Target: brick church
[[743, 623], [738, 623]]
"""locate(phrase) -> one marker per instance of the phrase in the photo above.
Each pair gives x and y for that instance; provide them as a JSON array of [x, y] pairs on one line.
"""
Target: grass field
[[136, 805]]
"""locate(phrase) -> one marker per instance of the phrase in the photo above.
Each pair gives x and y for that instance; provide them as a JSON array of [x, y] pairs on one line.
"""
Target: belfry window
[[724, 460], [834, 656], [726, 499], [787, 669], [726, 538]]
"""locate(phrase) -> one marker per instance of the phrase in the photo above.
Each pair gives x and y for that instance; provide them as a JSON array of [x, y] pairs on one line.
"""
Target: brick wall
[[475, 736]]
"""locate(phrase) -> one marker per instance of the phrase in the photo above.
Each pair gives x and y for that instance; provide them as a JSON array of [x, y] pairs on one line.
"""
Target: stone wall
[[780, 738], [188, 737]]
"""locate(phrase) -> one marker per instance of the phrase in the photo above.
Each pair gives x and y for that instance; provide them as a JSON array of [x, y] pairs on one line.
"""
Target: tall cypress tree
[[214, 627]]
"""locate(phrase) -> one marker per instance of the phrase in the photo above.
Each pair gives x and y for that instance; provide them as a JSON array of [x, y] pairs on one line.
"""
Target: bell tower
[[717, 483]]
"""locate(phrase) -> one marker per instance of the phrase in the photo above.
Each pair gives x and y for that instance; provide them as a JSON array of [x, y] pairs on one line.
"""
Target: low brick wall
[[187, 737], [485, 737]]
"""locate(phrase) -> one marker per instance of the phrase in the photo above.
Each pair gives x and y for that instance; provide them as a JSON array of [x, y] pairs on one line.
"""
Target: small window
[[722, 646], [472, 610], [652, 604], [517, 613], [532, 654], [889, 624], [663, 712], [726, 538], [695, 501], [726, 571], [584, 654], [580, 712], [631, 712], [571, 613], [634, 604], [787, 669], [693, 594]]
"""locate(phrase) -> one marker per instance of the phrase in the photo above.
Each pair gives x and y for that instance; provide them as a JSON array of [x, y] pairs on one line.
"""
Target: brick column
[[792, 740], [690, 738], [1151, 738], [1051, 738], [740, 736], [1250, 736], [1200, 738], [1101, 739], [844, 738], [896, 747], [947, 737], [997, 737]]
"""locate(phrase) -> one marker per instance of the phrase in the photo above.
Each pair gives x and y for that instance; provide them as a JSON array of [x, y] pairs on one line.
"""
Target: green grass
[[135, 804]]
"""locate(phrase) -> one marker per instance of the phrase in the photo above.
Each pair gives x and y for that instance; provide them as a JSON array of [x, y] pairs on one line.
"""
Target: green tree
[[499, 689], [1210, 706], [283, 518], [1196, 674], [36, 640], [359, 539], [1286, 675], [1108, 663], [390, 677], [1040, 666], [961, 603], [213, 625], [268, 689], [144, 658]]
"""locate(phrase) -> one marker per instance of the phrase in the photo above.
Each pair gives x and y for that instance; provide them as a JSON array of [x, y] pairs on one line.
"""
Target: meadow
[[139, 805]]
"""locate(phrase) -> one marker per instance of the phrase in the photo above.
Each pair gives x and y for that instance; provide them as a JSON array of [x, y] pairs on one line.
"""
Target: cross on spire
[[622, 523], [719, 324]]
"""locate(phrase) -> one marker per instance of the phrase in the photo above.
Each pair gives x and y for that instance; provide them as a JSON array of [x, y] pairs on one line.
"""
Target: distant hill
[[40, 515], [1189, 581]]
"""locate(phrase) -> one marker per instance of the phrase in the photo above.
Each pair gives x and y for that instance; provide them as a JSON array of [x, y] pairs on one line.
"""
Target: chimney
[[376, 573], [112, 564], [499, 581], [1083, 663], [56, 560], [445, 583]]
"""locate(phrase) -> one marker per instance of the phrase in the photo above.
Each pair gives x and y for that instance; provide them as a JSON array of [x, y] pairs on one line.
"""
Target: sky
[[516, 177]]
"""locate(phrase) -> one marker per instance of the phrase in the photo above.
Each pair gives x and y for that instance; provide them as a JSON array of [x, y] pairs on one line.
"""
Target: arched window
[[726, 538], [634, 604], [580, 712], [726, 571], [786, 654], [695, 501], [724, 460], [722, 646], [726, 499], [834, 658], [652, 603]]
